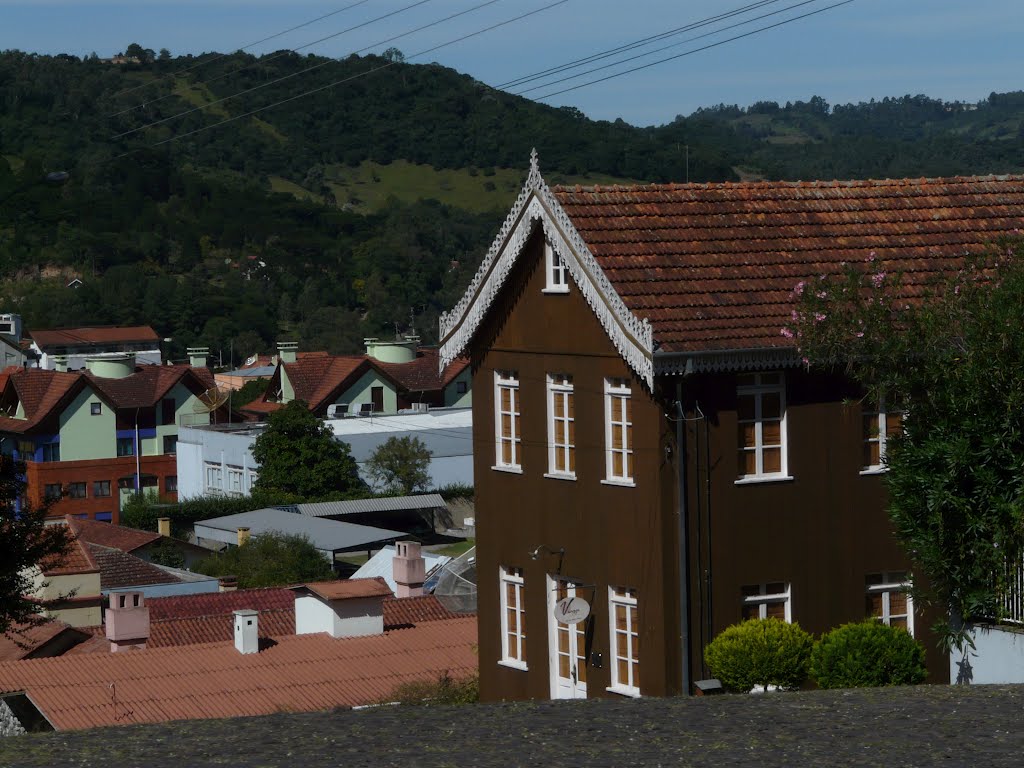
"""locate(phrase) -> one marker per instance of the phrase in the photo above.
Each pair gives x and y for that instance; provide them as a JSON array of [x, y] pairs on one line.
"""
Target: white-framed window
[[250, 480], [236, 477], [766, 601], [877, 428], [618, 431], [513, 618], [556, 276], [623, 622], [507, 437], [561, 427], [888, 599], [214, 477], [761, 420]]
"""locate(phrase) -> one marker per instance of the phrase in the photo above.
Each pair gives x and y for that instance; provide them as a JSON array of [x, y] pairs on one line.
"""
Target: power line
[[220, 56], [630, 46], [344, 80], [278, 55], [695, 50], [666, 47]]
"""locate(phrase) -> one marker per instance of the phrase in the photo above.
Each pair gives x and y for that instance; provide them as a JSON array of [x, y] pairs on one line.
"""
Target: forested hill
[[342, 214]]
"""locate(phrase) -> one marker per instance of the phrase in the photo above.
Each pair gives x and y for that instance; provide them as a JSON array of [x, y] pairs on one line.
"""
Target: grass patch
[[16, 163], [270, 130], [277, 184], [198, 95], [456, 549]]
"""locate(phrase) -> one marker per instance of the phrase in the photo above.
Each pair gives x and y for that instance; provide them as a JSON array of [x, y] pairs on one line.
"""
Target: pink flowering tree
[[947, 350]]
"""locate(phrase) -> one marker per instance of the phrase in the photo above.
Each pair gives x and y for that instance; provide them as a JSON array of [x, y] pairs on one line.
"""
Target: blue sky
[[868, 48]]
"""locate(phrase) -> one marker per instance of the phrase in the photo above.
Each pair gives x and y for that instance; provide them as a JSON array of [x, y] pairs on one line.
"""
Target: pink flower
[[821, 294], [799, 289], [859, 334], [872, 256], [805, 361], [819, 316], [794, 316], [876, 280], [787, 333]]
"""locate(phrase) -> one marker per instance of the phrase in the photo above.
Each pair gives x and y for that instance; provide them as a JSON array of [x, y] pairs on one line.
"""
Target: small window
[[95, 409], [51, 452], [618, 431], [888, 599], [76, 490], [561, 427], [878, 427], [506, 420], [235, 478], [557, 280], [125, 446], [766, 601], [513, 618], [214, 477], [171, 484], [624, 623], [461, 387], [53, 491], [761, 422], [104, 517], [167, 409], [170, 444], [100, 488]]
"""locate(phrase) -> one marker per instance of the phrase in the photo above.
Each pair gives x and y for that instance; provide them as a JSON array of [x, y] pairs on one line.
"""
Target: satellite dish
[[210, 400], [456, 584]]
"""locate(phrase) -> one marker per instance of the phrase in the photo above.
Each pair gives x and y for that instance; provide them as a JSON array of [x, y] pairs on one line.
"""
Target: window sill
[[555, 290], [511, 664], [874, 471], [756, 479], [620, 483], [510, 470], [633, 693], [561, 475]]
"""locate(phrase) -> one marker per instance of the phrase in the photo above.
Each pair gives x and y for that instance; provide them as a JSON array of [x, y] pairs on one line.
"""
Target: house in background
[[92, 438], [12, 345], [68, 348], [391, 376], [646, 438]]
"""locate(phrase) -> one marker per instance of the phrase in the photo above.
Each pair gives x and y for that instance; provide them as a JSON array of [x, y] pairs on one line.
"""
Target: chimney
[[60, 363], [228, 583], [351, 608], [127, 621], [243, 535], [163, 526], [409, 569], [287, 351], [247, 636], [197, 356]]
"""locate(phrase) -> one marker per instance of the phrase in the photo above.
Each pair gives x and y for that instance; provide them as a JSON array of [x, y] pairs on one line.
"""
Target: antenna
[[210, 400]]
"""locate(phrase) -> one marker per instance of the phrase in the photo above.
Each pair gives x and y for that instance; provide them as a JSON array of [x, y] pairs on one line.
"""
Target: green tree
[[270, 560], [400, 465], [253, 389], [25, 541], [298, 454], [953, 360]]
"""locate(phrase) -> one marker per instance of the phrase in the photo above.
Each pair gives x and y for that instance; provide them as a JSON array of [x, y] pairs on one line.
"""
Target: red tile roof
[[78, 559], [23, 640], [347, 589], [110, 535], [420, 374], [317, 380], [218, 628], [403, 611], [39, 392], [119, 570], [220, 603], [712, 266], [67, 337], [298, 673], [148, 385]]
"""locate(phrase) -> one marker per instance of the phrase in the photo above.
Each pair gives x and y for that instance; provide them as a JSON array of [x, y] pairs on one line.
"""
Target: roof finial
[[534, 162]]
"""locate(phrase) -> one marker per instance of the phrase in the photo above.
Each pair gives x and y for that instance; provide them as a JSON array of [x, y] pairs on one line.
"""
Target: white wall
[[341, 618], [198, 446], [997, 657]]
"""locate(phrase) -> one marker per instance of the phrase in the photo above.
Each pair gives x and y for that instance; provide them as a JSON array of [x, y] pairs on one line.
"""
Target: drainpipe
[[138, 465], [684, 548]]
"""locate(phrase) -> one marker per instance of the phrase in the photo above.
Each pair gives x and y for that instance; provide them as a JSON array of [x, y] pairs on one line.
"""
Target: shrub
[[867, 654], [765, 652], [444, 690]]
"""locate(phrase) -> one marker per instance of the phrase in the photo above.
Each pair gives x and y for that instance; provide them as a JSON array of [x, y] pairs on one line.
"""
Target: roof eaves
[[717, 361]]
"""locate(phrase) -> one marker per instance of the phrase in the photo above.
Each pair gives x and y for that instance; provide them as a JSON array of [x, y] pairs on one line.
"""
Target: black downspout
[[684, 547]]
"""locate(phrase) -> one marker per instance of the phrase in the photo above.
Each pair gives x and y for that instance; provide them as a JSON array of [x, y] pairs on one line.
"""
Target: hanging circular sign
[[572, 610]]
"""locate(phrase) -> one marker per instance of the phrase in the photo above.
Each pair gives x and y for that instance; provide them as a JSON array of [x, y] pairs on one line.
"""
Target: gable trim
[[632, 337]]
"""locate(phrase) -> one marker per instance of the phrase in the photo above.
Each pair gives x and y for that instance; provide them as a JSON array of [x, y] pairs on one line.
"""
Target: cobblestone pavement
[[975, 726]]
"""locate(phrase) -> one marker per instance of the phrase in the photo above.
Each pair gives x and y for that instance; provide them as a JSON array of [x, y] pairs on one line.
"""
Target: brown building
[[646, 438]]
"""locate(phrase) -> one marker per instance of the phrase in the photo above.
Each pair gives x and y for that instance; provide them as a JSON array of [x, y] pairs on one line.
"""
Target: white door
[[566, 646]]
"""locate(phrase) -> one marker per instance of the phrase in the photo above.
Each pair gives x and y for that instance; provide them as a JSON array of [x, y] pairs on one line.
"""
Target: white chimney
[[197, 356], [341, 608], [288, 351], [409, 569], [247, 636]]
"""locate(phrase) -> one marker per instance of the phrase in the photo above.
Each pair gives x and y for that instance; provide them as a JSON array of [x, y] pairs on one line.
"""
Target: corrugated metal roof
[[356, 506], [326, 535], [381, 565]]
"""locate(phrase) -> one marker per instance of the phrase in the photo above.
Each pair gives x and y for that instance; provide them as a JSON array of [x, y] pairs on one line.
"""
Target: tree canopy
[[270, 560], [953, 362], [400, 465], [25, 541], [298, 454]]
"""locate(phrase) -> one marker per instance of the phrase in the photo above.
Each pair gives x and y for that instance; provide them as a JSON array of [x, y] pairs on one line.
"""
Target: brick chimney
[[127, 621], [243, 535], [247, 635], [409, 569], [163, 526], [351, 608]]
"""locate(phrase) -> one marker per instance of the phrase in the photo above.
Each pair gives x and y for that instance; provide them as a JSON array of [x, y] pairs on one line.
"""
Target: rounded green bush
[[760, 652], [867, 654]]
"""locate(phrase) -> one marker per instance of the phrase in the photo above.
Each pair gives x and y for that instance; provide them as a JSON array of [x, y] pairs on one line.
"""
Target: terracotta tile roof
[[261, 406], [66, 337], [39, 392], [148, 385], [318, 379], [403, 611], [119, 570], [79, 559], [220, 603], [110, 535], [347, 589], [24, 640], [420, 375], [298, 673], [712, 266], [216, 628]]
